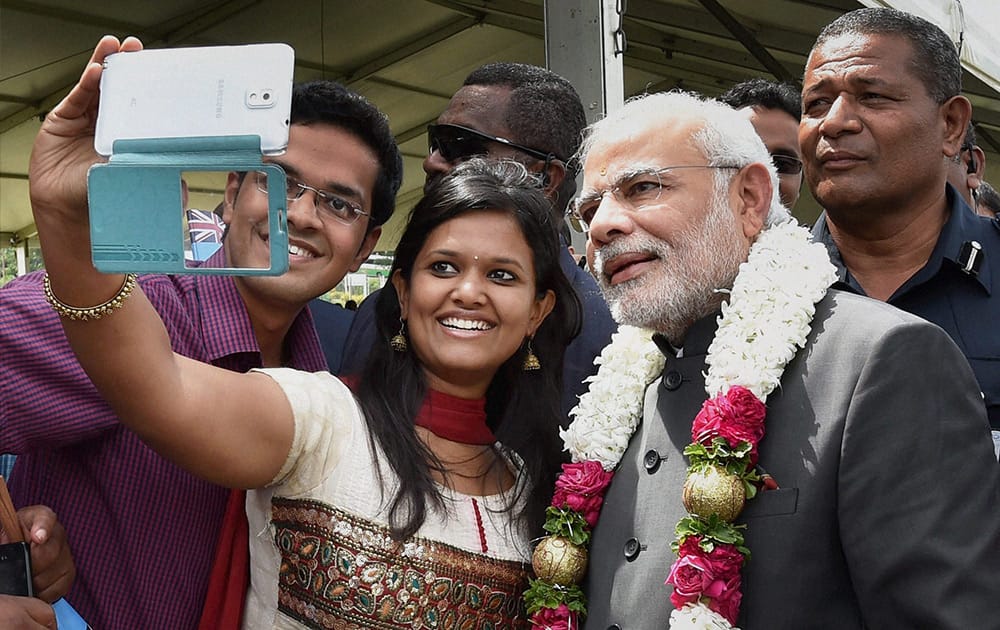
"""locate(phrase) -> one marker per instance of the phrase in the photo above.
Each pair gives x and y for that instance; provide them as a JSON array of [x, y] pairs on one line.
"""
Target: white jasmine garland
[[763, 324], [609, 412], [769, 312], [697, 617]]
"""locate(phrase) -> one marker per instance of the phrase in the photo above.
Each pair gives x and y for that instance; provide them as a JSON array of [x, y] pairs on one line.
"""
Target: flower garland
[[765, 321]]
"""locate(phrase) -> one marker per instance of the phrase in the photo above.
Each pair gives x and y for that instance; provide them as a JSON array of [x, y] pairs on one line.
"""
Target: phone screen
[[15, 570]]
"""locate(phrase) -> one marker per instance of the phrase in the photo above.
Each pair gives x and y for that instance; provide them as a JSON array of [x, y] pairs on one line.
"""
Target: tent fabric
[[967, 21]]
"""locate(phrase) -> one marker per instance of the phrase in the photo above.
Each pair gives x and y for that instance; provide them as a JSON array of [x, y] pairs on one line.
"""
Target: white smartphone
[[197, 92]]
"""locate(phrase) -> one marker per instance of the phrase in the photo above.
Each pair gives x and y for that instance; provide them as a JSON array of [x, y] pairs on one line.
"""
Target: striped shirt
[[143, 531]]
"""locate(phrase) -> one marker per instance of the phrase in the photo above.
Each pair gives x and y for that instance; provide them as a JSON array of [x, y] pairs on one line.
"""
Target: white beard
[[685, 284]]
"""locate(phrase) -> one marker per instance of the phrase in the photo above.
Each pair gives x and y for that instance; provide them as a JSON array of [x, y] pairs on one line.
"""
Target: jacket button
[[631, 549], [614, 626], [651, 461], [672, 380]]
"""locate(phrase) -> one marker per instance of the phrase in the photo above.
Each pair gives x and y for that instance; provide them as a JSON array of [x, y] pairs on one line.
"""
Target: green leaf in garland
[[567, 523], [540, 594], [718, 453], [712, 529]]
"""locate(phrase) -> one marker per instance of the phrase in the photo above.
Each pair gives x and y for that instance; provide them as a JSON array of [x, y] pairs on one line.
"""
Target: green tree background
[[8, 262]]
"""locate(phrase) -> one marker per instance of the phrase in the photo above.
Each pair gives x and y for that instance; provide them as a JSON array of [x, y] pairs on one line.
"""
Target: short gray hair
[[726, 136]]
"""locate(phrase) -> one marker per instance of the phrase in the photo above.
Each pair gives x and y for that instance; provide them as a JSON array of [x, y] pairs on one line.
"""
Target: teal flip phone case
[[136, 218]]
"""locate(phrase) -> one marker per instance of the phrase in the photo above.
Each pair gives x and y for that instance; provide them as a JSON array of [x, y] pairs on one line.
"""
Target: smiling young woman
[[435, 465], [474, 276], [471, 300]]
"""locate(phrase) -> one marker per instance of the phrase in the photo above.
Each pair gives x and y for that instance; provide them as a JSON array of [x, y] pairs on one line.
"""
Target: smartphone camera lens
[[262, 98]]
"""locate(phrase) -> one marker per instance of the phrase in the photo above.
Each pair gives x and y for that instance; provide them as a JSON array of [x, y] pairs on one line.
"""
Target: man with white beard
[[875, 432]]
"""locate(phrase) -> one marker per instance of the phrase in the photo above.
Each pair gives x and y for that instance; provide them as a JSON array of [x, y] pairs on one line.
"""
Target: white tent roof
[[968, 22]]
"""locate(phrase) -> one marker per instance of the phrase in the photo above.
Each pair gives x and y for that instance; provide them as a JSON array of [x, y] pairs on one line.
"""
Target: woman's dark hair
[[522, 408]]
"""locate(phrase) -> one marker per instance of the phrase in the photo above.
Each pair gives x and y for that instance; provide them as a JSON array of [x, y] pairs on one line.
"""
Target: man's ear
[[956, 113], [229, 195], [366, 247], [553, 175], [752, 192], [974, 176]]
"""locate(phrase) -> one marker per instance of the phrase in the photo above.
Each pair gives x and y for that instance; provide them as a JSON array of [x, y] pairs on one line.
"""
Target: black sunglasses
[[455, 142], [786, 164]]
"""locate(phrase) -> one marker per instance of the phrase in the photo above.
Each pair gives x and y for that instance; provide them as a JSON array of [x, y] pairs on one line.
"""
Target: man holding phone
[[144, 531], [52, 568], [25, 612]]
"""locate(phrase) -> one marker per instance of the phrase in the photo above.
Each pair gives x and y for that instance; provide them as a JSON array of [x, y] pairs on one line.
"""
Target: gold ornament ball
[[559, 561], [714, 491]]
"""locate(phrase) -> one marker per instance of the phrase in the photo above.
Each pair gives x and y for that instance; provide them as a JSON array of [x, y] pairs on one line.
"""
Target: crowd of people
[[500, 438]]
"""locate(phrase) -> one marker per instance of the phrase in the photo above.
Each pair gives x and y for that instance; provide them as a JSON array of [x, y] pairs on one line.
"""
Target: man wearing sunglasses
[[774, 111], [525, 113]]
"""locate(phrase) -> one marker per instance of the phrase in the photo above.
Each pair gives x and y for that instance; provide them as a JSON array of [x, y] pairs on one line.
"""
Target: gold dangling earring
[[531, 362], [398, 342]]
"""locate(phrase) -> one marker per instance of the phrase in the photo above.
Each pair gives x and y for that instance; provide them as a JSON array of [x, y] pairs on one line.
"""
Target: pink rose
[[586, 478], [690, 546], [747, 420], [726, 598], [581, 488], [690, 577], [705, 426], [737, 416], [725, 561], [715, 575], [555, 619]]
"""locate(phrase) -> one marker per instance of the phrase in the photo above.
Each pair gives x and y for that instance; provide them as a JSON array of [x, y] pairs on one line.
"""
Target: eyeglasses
[[454, 143], [329, 204], [786, 164], [634, 190]]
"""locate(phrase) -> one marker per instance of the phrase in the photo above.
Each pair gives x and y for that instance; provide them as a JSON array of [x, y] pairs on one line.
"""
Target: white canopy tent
[[969, 22]]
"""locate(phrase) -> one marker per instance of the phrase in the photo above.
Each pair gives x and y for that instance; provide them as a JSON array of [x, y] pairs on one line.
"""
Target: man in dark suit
[[884, 123], [881, 503], [332, 322], [526, 113]]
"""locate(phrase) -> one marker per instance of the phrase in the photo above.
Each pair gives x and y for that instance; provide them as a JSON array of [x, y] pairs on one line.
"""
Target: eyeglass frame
[[582, 225], [790, 158], [356, 210], [546, 156]]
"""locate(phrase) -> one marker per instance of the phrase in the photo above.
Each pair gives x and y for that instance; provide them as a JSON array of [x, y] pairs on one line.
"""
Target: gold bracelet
[[94, 312]]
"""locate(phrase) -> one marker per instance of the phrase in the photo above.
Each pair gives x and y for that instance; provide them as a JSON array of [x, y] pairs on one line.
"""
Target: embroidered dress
[[320, 550]]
